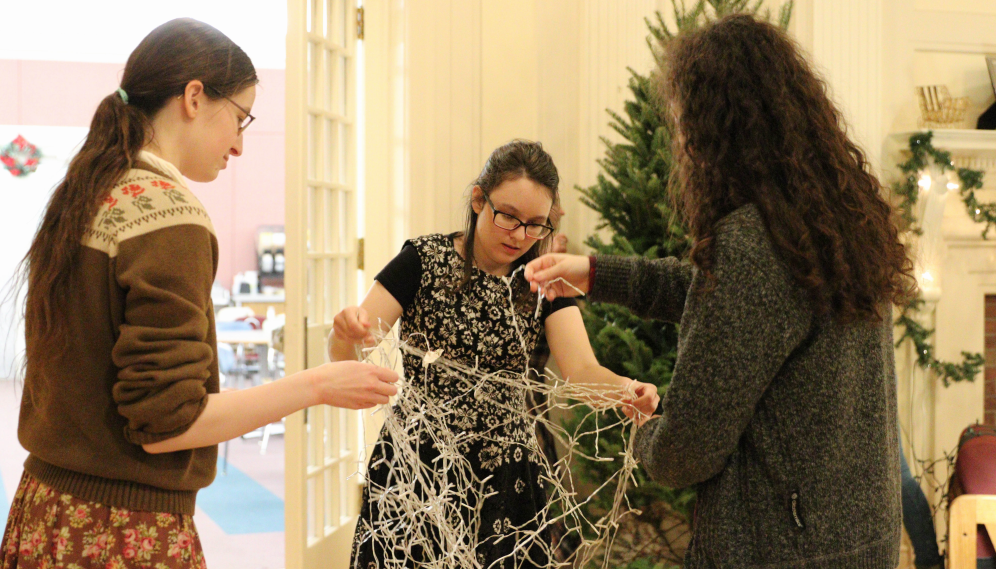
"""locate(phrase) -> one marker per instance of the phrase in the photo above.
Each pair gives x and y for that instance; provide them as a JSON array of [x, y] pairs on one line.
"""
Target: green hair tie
[[123, 95]]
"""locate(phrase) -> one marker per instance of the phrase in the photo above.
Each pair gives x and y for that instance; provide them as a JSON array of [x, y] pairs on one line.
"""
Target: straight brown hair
[[159, 69], [513, 160]]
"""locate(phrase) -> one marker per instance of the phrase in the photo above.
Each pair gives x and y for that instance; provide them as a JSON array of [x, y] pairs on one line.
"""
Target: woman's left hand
[[644, 404]]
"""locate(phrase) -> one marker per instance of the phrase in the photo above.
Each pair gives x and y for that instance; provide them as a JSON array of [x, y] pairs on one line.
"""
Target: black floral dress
[[472, 326]]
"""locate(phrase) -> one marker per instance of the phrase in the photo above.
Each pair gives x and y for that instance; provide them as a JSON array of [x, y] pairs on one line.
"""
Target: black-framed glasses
[[245, 122], [509, 222]]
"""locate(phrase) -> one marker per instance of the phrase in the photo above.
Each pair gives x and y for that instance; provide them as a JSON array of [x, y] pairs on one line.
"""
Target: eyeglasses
[[511, 223], [245, 122]]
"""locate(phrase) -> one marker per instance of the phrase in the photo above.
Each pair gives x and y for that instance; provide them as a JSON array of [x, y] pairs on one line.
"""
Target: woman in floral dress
[[121, 412], [451, 293]]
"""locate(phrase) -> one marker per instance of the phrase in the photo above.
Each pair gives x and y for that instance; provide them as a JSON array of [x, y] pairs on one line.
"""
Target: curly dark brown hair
[[753, 124]]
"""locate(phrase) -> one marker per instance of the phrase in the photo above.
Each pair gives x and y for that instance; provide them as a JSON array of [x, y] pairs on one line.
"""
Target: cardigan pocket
[[788, 486], [796, 506]]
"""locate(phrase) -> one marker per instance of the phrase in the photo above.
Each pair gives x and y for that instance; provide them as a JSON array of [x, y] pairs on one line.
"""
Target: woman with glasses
[[121, 412], [450, 293]]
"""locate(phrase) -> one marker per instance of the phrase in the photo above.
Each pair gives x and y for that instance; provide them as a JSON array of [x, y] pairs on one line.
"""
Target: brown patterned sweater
[[141, 358]]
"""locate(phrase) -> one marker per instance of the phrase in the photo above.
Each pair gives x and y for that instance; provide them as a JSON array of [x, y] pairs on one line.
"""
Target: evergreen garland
[[921, 151]]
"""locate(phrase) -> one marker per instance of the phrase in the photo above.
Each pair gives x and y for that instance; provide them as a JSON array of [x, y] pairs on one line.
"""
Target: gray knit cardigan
[[785, 423]]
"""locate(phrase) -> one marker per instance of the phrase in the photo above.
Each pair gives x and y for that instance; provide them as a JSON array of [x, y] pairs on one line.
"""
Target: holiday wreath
[[20, 157]]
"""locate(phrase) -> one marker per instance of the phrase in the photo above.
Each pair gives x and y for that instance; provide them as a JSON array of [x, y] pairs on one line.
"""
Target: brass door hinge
[[359, 23], [360, 250]]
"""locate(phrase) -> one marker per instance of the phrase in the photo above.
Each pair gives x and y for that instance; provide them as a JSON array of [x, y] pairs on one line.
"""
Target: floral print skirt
[[49, 529]]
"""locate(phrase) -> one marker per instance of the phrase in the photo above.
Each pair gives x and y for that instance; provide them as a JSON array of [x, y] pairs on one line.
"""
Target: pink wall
[[249, 193]]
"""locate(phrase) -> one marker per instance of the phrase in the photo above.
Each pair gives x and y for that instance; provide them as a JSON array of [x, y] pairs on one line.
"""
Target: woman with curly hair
[[782, 408]]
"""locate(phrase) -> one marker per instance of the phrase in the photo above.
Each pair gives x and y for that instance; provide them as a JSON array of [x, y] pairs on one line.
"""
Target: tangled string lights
[[432, 512]]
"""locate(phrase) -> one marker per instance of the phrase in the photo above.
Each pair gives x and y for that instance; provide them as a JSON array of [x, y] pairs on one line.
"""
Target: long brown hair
[[160, 68], [753, 124], [511, 161]]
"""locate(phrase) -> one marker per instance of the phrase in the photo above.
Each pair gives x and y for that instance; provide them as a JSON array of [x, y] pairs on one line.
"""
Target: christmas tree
[[632, 199]]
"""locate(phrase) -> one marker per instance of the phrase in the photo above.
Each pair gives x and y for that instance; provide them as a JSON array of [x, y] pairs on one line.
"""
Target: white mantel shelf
[[969, 147], [960, 141]]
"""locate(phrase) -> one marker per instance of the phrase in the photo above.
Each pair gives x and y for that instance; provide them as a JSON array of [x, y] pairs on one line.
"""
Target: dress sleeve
[[162, 353], [402, 276], [558, 303]]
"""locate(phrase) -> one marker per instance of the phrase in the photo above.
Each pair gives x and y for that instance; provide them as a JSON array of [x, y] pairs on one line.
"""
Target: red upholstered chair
[[972, 515]]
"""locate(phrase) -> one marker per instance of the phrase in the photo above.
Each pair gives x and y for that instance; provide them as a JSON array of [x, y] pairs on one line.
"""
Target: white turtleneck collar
[[166, 166]]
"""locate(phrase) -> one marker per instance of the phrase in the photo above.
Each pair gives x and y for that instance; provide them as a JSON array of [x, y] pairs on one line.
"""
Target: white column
[[443, 56], [386, 135], [847, 38], [613, 37]]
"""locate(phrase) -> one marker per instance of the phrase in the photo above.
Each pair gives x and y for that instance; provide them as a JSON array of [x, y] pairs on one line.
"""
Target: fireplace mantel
[[962, 268], [969, 148], [959, 141]]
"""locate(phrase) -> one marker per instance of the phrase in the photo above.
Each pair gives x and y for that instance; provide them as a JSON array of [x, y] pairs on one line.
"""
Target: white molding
[[953, 47], [969, 148], [962, 143]]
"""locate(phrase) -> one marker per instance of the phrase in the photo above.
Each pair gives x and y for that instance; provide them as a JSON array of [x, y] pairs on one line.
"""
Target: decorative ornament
[[938, 109], [20, 157], [430, 357], [970, 180], [921, 151]]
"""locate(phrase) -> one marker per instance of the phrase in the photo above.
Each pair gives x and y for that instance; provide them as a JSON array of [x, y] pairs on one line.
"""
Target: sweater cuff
[[139, 437], [611, 280], [592, 260]]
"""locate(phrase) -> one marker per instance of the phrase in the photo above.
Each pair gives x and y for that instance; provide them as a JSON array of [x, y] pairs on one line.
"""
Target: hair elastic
[[123, 95]]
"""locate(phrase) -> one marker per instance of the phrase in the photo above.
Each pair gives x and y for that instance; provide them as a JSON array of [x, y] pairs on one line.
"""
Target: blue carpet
[[236, 502], [239, 504]]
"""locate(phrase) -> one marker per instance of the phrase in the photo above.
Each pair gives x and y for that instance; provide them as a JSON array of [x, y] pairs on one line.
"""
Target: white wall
[[482, 71], [106, 31], [24, 200]]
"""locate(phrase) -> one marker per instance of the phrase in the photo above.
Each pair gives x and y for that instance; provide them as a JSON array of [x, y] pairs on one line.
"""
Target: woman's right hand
[[542, 272], [353, 325], [353, 385]]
